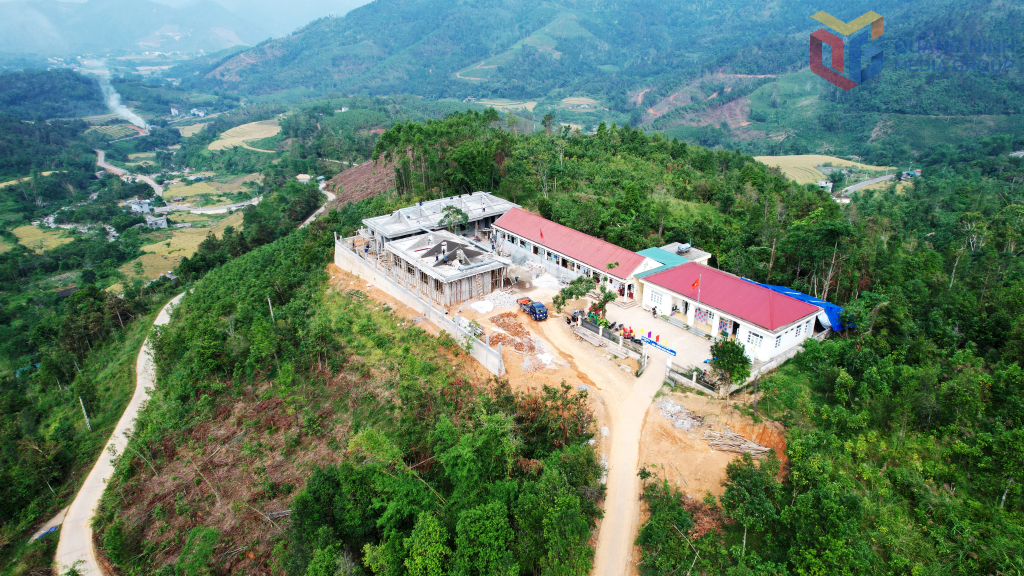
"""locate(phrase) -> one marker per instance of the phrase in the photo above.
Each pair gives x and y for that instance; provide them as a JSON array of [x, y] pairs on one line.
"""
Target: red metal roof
[[581, 247], [734, 295]]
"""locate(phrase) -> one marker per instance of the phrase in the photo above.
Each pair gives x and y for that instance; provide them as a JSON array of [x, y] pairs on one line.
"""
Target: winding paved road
[[75, 544], [860, 185], [330, 198]]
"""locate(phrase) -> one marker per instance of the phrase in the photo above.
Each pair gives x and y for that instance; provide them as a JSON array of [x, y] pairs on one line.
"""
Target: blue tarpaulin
[[832, 311]]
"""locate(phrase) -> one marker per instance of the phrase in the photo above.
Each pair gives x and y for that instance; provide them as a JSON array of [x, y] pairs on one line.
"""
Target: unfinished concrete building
[[481, 208], [443, 268]]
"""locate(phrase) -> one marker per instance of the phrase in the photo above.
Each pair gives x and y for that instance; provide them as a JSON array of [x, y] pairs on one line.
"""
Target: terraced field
[[116, 131], [239, 135]]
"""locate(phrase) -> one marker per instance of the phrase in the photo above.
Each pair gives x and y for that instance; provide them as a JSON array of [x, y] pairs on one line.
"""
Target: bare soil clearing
[[363, 181]]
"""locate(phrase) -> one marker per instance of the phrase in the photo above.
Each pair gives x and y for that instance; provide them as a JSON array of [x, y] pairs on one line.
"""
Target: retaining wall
[[346, 259]]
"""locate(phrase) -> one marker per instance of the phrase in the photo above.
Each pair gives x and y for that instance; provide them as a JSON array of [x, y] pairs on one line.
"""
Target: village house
[[568, 253], [767, 322], [139, 206], [156, 222], [303, 178]]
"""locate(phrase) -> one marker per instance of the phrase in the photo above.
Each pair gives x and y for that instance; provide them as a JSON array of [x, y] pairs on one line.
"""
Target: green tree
[[730, 362], [427, 547], [752, 493], [454, 218], [483, 541], [576, 289]]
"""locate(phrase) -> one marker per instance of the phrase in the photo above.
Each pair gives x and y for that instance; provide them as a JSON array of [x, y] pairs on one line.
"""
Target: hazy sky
[[282, 16], [277, 16]]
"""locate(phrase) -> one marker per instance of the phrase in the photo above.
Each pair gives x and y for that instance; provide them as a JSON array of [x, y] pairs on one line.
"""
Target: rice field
[[803, 168], [505, 105], [165, 254], [192, 130], [216, 188], [40, 239], [239, 135], [4, 246], [578, 100], [116, 131]]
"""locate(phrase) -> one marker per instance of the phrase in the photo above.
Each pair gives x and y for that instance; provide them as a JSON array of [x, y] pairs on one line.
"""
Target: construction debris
[[501, 300], [730, 441], [513, 334], [680, 417]]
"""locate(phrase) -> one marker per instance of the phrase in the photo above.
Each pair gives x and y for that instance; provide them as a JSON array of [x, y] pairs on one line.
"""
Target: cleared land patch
[[253, 131], [40, 239], [804, 167]]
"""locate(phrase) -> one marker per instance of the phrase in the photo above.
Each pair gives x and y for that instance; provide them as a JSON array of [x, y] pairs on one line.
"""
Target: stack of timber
[[730, 441]]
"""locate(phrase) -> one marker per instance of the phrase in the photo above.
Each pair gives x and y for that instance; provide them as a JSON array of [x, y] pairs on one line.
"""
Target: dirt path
[[75, 544], [625, 399]]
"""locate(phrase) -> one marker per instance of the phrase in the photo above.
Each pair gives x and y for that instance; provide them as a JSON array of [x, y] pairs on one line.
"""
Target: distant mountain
[[515, 48], [103, 27]]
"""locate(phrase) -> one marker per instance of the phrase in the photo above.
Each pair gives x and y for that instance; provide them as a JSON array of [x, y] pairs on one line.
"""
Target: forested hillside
[[39, 95], [536, 47], [903, 444]]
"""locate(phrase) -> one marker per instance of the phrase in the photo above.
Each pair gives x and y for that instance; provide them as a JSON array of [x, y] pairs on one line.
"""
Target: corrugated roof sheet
[[663, 256], [668, 260], [581, 247], [733, 295]]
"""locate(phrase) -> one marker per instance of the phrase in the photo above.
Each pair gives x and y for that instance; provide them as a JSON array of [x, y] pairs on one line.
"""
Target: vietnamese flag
[[542, 234], [696, 284]]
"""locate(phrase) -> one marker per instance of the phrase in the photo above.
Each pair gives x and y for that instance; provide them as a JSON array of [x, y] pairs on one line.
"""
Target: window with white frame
[[799, 327], [656, 298], [778, 340], [754, 339]]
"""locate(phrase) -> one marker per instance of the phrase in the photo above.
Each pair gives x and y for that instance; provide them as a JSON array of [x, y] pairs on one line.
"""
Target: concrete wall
[[348, 260]]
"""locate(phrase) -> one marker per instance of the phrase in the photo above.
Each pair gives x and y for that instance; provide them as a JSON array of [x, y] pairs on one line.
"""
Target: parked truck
[[536, 310]]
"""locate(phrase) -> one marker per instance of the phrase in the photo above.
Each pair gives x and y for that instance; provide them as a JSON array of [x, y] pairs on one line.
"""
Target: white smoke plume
[[110, 95]]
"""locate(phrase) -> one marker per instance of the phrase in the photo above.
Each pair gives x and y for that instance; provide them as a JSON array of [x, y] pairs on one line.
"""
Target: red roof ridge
[[593, 252]]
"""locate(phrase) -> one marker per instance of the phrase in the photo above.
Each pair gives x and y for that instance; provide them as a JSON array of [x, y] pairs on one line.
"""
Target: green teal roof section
[[666, 258]]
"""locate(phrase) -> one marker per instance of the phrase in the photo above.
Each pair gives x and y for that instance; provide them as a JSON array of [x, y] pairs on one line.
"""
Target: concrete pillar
[[691, 308]]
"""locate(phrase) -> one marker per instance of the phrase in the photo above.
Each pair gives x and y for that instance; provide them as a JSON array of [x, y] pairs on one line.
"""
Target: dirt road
[[75, 543], [101, 161], [626, 399]]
